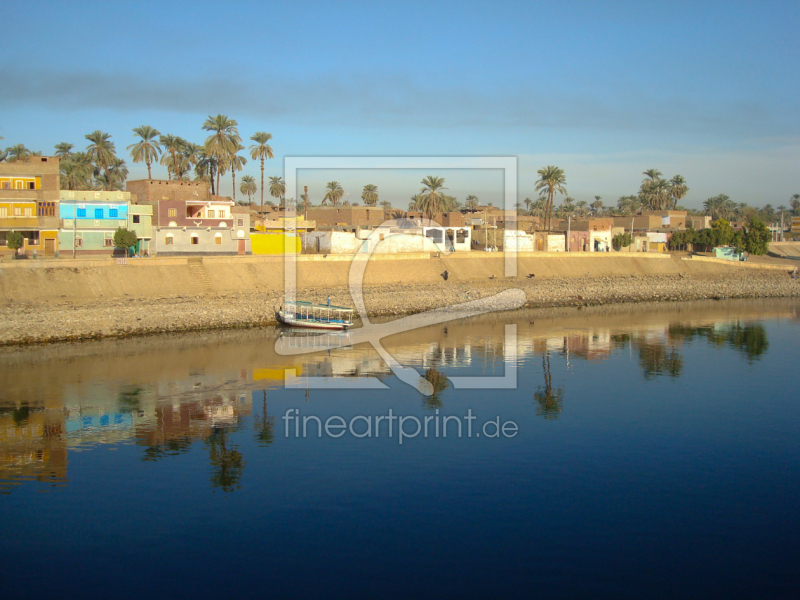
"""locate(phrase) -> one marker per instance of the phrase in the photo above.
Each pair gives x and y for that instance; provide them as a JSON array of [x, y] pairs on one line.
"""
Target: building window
[[195, 240], [18, 185], [79, 242], [81, 212], [211, 214], [108, 243], [169, 240], [218, 240], [113, 213], [240, 222], [135, 218], [98, 213], [172, 212], [17, 211], [31, 185], [3, 212], [28, 211], [46, 209]]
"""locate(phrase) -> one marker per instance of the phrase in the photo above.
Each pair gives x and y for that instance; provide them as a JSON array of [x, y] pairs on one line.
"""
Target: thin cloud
[[371, 101]]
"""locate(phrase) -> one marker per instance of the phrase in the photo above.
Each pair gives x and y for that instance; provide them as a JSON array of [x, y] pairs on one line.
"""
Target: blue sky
[[604, 90]]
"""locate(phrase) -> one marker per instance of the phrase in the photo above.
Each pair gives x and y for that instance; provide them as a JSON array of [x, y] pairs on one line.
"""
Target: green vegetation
[[551, 181], [277, 188], [756, 238], [124, 238], [370, 194], [15, 240], [621, 240], [431, 199], [223, 142], [248, 187], [261, 150], [146, 150], [334, 193]]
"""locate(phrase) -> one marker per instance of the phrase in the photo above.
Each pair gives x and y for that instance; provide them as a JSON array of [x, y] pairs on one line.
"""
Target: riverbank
[[25, 322]]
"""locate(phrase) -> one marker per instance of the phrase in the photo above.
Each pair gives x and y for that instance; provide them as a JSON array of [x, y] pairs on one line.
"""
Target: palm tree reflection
[[658, 359], [265, 433], [548, 399], [440, 383], [227, 463]]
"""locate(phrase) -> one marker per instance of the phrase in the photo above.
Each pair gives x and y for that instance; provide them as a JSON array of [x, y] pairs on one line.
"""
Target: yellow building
[[29, 192]]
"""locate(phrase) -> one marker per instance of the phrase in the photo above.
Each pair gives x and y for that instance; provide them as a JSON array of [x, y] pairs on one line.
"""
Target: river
[[616, 451]]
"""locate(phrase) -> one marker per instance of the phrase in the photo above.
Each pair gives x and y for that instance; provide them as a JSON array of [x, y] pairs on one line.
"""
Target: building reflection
[[32, 445], [169, 395]]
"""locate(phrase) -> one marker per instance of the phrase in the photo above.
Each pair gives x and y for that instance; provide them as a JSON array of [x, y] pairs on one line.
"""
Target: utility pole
[[630, 248], [781, 225], [569, 231], [74, 228]]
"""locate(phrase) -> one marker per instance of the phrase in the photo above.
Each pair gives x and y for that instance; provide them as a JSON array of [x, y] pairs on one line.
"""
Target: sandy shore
[[24, 322]]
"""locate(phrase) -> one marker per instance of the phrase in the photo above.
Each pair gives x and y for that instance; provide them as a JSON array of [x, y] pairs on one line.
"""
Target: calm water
[[654, 453]]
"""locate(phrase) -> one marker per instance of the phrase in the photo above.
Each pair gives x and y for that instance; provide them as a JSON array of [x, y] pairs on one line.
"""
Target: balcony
[[19, 222]]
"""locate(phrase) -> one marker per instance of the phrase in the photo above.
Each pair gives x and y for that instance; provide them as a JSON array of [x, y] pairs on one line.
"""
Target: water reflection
[[265, 426], [439, 382], [168, 395], [748, 338], [548, 399]]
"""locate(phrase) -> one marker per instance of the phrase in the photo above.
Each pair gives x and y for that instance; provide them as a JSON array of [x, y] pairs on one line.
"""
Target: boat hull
[[310, 324]]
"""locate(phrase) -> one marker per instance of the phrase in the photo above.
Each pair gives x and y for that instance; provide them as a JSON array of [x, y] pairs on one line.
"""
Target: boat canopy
[[307, 305]]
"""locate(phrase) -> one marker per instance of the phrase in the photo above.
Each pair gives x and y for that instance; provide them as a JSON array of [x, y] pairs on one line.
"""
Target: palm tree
[[101, 150], [471, 202], [146, 149], [528, 203], [261, 150], [235, 163], [795, 204], [415, 204], [17, 151], [223, 142], [551, 181], [597, 206], [76, 172], [277, 187], [64, 150], [678, 189], [583, 208], [248, 187], [431, 197], [387, 206], [334, 193], [173, 155], [114, 178], [370, 194], [204, 167]]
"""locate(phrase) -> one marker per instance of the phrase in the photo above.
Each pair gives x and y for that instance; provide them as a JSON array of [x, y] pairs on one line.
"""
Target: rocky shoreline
[[24, 323]]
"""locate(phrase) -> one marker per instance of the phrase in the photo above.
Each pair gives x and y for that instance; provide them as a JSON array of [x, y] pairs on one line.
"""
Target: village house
[[29, 190], [89, 220], [187, 219]]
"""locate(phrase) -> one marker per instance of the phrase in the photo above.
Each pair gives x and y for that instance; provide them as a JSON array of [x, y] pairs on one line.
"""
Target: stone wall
[[148, 190]]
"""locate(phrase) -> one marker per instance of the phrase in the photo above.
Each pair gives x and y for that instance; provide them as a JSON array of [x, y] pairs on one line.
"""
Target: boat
[[314, 316]]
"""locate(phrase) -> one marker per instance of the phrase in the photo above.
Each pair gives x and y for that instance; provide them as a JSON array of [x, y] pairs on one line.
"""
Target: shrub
[[124, 238], [15, 240], [621, 240]]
